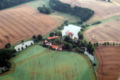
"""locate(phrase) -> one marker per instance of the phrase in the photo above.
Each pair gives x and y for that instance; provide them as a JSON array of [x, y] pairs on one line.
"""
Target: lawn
[[38, 63]]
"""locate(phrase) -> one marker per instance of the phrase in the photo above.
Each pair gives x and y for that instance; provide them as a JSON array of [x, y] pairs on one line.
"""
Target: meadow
[[38, 63]]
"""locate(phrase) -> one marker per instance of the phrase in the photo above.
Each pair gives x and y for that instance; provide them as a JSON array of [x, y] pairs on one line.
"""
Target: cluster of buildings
[[24, 45], [48, 43]]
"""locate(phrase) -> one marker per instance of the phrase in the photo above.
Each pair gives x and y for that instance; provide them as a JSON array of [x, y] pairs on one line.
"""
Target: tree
[[90, 48], [67, 46], [96, 44], [8, 45], [80, 35], [44, 9], [66, 22], [39, 37], [68, 39], [33, 37], [79, 50], [52, 34], [58, 33]]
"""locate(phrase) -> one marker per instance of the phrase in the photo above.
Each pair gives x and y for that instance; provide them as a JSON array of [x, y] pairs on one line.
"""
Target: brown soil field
[[23, 22], [102, 9], [109, 63], [106, 32]]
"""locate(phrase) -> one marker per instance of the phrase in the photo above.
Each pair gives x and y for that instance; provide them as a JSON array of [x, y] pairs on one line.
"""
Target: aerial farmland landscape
[[59, 39]]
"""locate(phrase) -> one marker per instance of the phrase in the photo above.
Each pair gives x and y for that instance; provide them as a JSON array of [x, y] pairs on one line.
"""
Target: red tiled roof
[[54, 46], [53, 37]]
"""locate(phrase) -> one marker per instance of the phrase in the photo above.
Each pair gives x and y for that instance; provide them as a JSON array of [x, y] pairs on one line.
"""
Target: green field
[[38, 63]]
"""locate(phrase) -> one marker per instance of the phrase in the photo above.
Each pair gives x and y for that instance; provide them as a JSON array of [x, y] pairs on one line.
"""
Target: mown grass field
[[38, 63]]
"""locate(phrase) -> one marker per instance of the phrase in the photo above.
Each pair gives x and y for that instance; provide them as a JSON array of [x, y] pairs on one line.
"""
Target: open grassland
[[23, 22], [109, 63], [105, 32], [38, 63], [102, 9]]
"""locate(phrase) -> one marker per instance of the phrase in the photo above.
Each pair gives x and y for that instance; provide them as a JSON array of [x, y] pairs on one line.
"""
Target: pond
[[71, 29]]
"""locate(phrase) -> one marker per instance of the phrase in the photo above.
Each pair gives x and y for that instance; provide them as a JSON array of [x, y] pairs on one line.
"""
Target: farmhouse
[[71, 30], [24, 45]]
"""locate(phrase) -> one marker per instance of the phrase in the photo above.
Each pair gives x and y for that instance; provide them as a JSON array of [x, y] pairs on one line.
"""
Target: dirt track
[[109, 63], [23, 22]]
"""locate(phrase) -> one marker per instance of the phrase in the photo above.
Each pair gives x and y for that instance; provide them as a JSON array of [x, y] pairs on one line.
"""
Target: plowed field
[[23, 22], [109, 63]]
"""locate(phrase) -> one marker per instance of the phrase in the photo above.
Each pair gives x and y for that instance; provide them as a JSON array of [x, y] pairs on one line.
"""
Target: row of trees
[[83, 13], [107, 44], [9, 3], [37, 38]]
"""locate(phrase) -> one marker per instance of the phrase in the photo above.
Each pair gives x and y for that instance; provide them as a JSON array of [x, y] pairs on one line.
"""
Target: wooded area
[[9, 3], [83, 13]]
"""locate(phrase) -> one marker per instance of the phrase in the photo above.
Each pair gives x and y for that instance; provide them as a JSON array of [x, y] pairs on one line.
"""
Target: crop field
[[23, 22], [38, 63], [109, 63], [102, 9], [105, 32]]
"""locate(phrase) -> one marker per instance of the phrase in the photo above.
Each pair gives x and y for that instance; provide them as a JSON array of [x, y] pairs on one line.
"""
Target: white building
[[71, 30], [23, 45]]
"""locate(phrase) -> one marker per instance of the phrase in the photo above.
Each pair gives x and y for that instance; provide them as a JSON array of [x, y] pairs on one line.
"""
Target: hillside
[[38, 63], [23, 22]]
